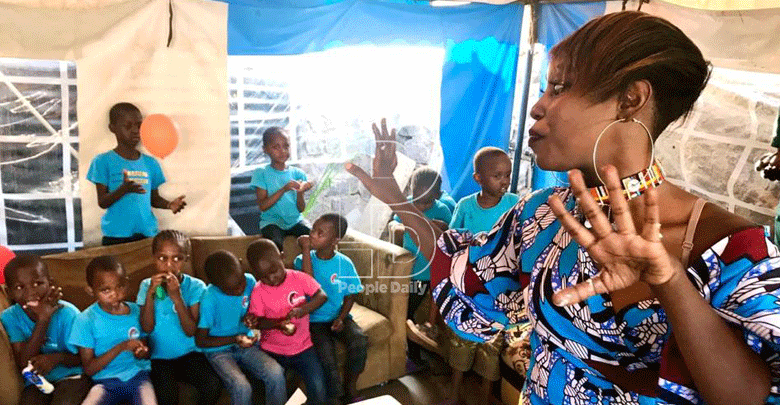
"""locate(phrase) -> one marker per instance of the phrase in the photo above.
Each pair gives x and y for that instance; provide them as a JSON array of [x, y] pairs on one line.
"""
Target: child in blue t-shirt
[[127, 181], [340, 282], [280, 190], [111, 344], [447, 200], [229, 345], [479, 211], [170, 309], [38, 325], [426, 194]]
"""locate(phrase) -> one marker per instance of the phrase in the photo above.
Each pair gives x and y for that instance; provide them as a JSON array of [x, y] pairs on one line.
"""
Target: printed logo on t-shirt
[[133, 333], [138, 176], [293, 300], [334, 278], [245, 302]]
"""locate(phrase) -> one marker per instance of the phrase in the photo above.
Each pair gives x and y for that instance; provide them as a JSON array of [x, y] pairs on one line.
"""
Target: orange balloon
[[159, 135]]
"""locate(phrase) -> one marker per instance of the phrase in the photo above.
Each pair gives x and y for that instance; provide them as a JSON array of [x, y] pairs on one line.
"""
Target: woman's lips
[[533, 136]]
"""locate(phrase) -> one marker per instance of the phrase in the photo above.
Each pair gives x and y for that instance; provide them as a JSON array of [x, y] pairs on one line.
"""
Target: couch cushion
[[374, 325]]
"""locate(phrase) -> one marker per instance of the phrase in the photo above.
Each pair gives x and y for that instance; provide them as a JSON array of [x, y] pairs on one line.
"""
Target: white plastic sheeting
[[734, 39], [712, 153]]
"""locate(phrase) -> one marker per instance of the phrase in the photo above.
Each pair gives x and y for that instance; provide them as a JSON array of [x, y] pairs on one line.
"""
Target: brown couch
[[379, 310]]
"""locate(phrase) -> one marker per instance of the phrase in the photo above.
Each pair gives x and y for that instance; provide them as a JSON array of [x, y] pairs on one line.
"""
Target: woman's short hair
[[603, 57]]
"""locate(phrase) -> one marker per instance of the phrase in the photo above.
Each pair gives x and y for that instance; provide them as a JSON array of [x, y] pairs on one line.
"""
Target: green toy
[[160, 292]]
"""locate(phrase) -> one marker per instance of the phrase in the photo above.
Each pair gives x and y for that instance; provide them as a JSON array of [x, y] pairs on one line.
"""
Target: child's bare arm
[[47, 306], [269, 323], [147, 310], [107, 199], [266, 201], [174, 205], [188, 316], [44, 363], [315, 302], [305, 243], [203, 339], [338, 323], [92, 365], [300, 203]]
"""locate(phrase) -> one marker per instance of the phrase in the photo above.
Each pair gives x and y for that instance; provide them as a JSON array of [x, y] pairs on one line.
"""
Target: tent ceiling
[[695, 4]]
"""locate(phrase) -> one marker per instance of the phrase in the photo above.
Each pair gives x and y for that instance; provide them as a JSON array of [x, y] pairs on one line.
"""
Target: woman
[[609, 278]]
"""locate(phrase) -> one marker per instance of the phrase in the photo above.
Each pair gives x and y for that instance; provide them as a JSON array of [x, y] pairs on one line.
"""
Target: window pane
[[38, 168], [17, 120], [36, 221]]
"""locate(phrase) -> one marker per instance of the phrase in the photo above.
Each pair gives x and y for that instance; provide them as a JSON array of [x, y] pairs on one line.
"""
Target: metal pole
[[520, 128]]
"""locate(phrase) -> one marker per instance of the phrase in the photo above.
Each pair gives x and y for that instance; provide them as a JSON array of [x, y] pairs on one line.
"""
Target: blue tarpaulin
[[556, 22], [478, 76]]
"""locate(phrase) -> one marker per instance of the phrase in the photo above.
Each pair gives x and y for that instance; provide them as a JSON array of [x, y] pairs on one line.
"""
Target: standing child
[[339, 280], [111, 343], [127, 181], [38, 325], [477, 213], [280, 307], [170, 309], [280, 190], [221, 333]]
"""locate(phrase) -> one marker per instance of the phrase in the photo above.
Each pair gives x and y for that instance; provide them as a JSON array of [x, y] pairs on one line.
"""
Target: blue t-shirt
[[470, 215], [132, 213], [422, 269], [100, 331], [20, 327], [337, 278], [221, 313], [285, 212], [168, 340], [448, 201]]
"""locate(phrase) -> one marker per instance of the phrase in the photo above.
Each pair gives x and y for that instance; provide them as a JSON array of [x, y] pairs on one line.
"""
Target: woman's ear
[[634, 99]]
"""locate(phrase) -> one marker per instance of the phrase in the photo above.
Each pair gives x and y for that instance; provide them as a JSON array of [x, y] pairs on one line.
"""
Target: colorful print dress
[[482, 285]]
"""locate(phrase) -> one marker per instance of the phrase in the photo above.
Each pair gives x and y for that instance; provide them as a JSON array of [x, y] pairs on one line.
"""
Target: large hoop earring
[[598, 138]]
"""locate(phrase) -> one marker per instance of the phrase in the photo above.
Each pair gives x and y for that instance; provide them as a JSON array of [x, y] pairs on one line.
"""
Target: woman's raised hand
[[623, 254], [381, 183]]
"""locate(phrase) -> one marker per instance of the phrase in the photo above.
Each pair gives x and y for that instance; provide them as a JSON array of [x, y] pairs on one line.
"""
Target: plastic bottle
[[30, 375]]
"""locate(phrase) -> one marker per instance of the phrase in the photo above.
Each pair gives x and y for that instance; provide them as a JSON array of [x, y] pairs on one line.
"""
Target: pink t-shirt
[[275, 302]]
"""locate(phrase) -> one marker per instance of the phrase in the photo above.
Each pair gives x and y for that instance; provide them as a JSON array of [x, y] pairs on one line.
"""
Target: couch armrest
[[395, 231], [384, 269]]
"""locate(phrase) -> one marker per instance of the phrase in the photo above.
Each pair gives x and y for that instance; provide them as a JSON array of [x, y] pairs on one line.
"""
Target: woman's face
[[567, 125]]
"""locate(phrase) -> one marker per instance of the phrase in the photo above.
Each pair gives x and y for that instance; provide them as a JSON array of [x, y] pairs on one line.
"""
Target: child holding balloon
[[127, 182]]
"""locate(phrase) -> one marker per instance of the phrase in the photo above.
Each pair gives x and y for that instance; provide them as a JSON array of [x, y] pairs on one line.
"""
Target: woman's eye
[[558, 88]]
